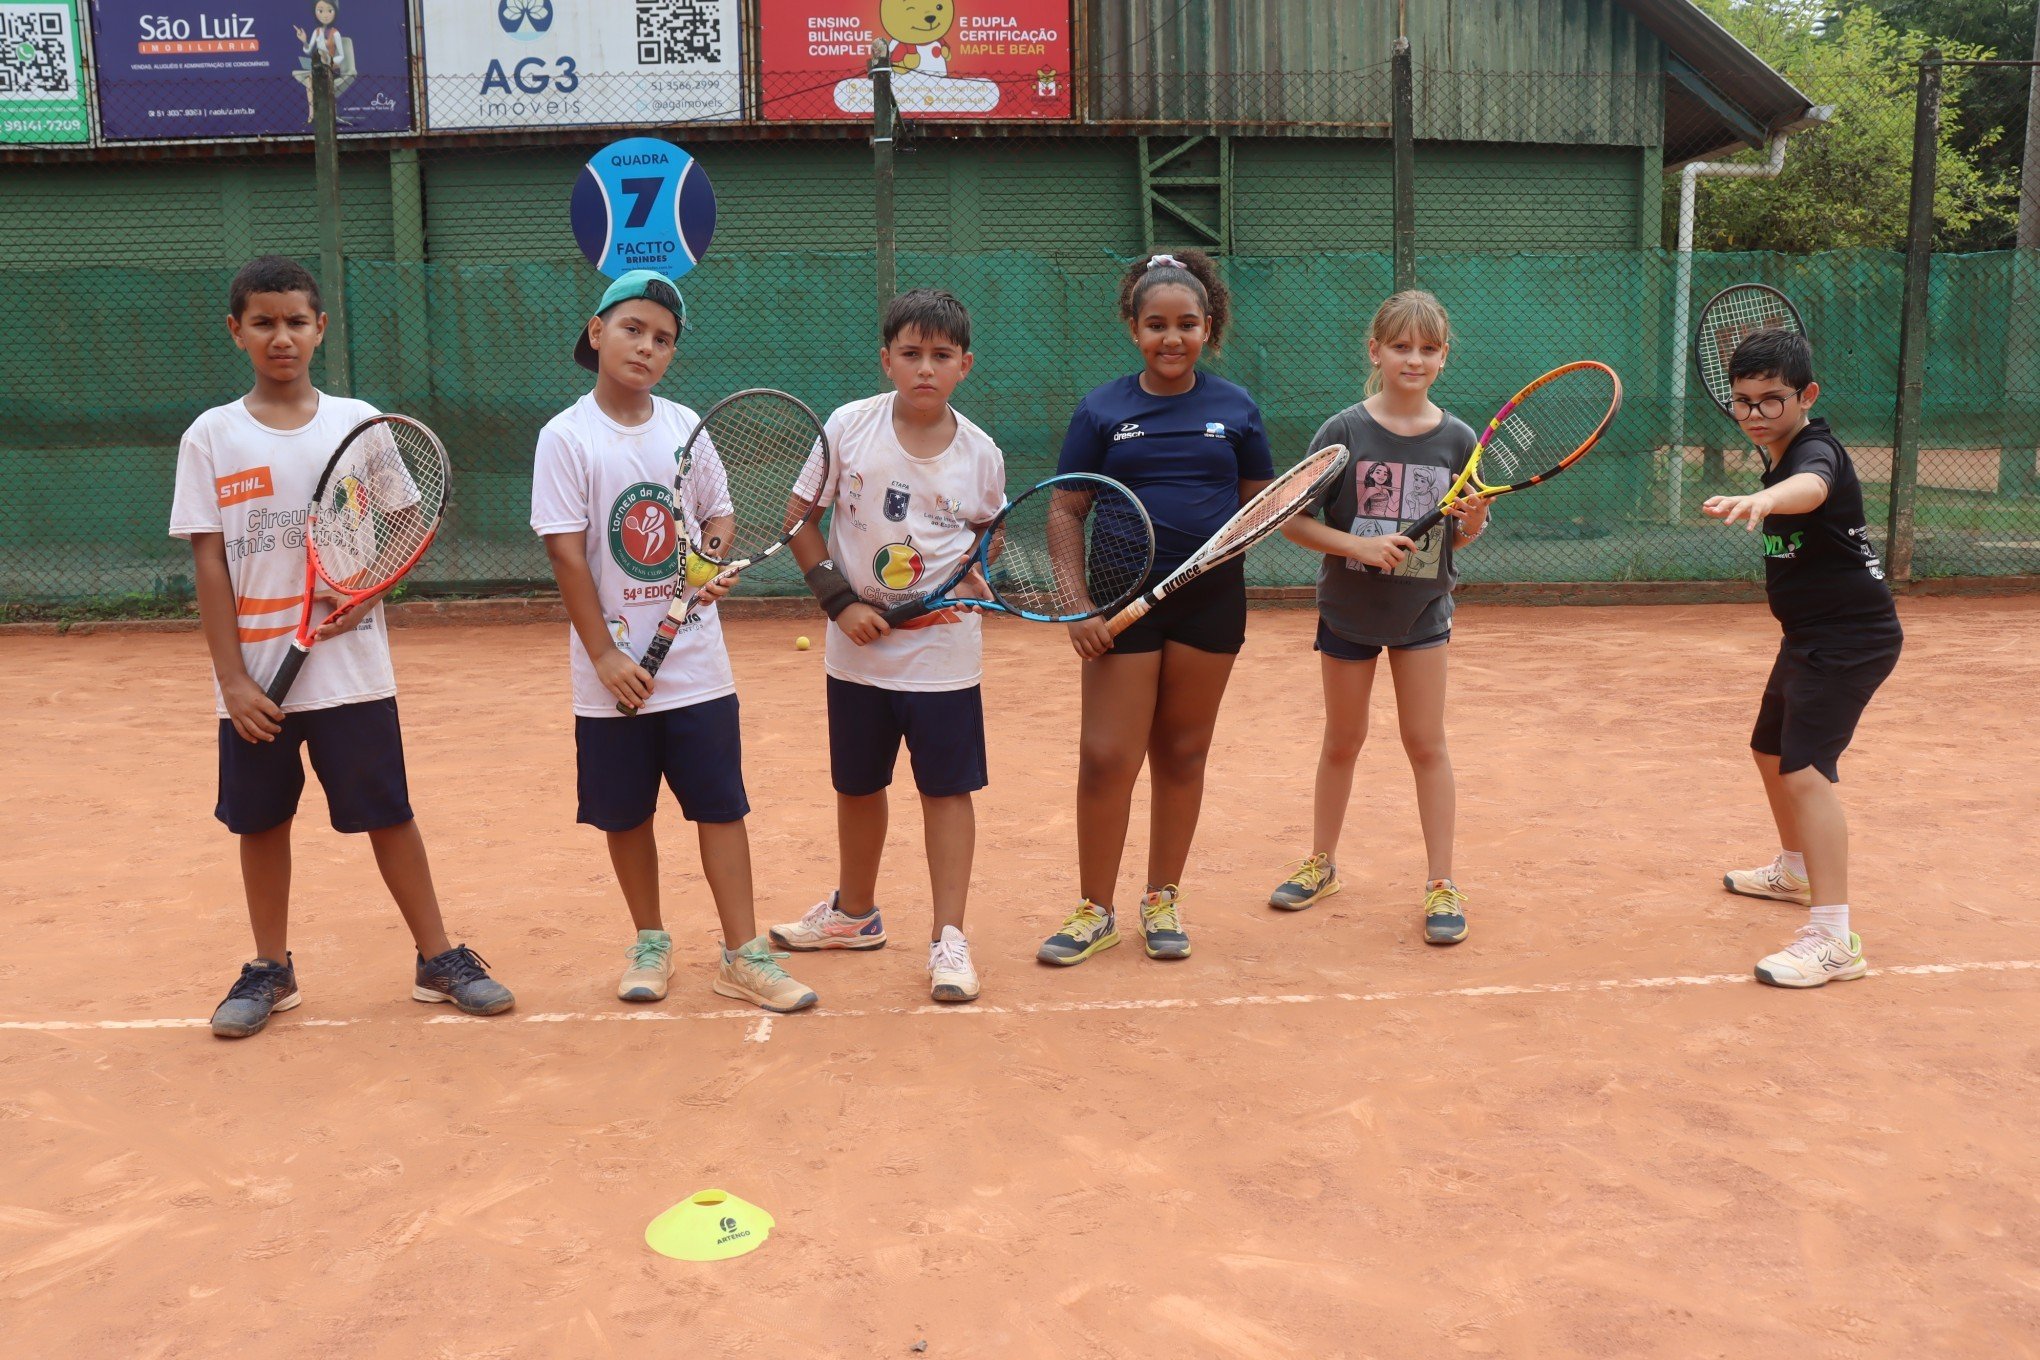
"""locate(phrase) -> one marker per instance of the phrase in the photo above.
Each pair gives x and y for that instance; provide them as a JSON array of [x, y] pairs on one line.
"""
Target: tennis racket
[[1540, 432], [373, 514], [1257, 519], [1069, 548], [1731, 316], [752, 468]]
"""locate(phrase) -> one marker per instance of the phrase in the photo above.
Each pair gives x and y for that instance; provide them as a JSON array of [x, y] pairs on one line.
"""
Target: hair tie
[[1157, 261]]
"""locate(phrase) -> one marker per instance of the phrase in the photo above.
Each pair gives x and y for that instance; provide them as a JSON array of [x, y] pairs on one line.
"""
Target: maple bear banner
[[1006, 59]]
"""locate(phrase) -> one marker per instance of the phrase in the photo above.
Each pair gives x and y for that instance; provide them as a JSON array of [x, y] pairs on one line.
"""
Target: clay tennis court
[[1583, 1132]]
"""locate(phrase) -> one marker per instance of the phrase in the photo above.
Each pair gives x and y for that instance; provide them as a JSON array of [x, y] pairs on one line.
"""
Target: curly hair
[[1191, 269]]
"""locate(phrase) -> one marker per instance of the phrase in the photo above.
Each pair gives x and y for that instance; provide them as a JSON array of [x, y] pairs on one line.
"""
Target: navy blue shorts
[[944, 731], [1344, 649], [1813, 700], [357, 751], [697, 750], [1209, 614]]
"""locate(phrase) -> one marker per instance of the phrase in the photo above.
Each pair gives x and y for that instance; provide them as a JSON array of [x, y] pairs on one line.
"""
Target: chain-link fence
[[1544, 217]]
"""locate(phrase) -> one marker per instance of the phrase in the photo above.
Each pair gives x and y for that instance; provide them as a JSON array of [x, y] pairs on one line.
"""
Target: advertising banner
[[230, 68], [563, 63], [974, 59], [42, 84]]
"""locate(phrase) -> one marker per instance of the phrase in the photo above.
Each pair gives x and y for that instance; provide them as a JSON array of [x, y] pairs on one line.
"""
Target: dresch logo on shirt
[[641, 536], [236, 487], [1129, 430]]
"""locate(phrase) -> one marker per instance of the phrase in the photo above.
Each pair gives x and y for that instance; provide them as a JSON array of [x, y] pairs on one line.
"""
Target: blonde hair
[[1412, 311]]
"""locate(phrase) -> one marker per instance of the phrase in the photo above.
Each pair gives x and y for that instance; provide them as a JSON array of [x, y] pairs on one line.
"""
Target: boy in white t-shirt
[[913, 483], [245, 474], [602, 498]]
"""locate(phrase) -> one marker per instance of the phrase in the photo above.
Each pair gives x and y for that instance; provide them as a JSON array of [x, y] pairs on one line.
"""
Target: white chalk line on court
[[761, 1025]]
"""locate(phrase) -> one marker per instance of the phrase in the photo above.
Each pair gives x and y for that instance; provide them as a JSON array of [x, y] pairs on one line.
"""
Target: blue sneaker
[[1087, 930], [1161, 924], [461, 976], [263, 988]]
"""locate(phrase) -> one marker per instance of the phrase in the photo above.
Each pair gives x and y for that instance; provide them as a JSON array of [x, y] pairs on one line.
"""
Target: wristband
[[830, 587]]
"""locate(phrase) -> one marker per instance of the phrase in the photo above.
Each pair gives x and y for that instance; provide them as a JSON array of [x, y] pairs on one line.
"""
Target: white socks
[[1834, 920], [1792, 862]]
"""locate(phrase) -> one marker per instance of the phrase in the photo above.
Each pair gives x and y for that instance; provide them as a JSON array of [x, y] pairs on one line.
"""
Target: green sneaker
[[1314, 878], [1444, 912], [1161, 924], [650, 969], [1089, 929]]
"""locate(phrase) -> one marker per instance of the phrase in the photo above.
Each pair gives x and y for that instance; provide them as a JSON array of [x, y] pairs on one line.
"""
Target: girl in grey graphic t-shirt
[[1378, 590]]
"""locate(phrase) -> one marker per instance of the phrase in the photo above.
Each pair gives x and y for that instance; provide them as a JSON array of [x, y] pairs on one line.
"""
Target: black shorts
[[944, 731], [1209, 614], [1815, 697], [698, 750], [1344, 649], [357, 751]]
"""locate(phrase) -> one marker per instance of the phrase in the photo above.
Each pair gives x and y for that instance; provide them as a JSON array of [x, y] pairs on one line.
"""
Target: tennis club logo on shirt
[[236, 487], [641, 535], [1780, 546], [353, 500], [1214, 429], [898, 566], [1129, 430], [853, 484], [895, 507]]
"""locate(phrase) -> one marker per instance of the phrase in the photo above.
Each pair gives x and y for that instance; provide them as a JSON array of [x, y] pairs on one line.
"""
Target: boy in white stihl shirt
[[602, 499], [912, 483], [245, 473]]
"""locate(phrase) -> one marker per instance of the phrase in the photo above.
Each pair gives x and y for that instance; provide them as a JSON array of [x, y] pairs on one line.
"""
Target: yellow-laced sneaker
[[1089, 929], [1314, 878], [1444, 912], [1161, 924]]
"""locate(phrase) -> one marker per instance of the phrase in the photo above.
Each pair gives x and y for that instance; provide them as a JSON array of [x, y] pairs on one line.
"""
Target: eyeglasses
[[1766, 408]]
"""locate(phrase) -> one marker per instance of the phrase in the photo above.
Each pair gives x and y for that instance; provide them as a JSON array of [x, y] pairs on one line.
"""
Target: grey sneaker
[[1314, 879], [461, 976], [1161, 925], [263, 988], [1444, 912]]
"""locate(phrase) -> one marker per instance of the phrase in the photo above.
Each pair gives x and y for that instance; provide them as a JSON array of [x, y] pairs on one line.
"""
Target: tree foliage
[[1846, 184]]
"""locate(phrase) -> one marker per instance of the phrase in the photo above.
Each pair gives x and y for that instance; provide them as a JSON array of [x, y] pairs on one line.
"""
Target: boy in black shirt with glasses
[[1842, 639]]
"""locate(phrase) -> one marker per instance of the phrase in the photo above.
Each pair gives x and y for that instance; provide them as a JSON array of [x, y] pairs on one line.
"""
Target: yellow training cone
[[709, 1225]]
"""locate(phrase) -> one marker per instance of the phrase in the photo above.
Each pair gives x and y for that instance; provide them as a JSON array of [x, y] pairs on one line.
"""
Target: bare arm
[[618, 672], [1385, 551], [1796, 495], [248, 708]]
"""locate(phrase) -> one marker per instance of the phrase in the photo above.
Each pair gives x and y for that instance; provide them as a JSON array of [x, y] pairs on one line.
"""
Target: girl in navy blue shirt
[[1192, 447]]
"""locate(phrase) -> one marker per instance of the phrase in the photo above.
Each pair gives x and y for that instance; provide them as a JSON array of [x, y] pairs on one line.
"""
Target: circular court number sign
[[643, 204]]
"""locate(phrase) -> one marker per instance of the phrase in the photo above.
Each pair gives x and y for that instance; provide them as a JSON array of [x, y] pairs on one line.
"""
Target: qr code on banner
[[36, 61], [679, 32]]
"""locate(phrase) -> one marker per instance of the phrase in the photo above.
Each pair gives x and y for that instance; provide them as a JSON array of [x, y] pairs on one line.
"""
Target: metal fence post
[[883, 119], [1402, 120], [1912, 335], [332, 263]]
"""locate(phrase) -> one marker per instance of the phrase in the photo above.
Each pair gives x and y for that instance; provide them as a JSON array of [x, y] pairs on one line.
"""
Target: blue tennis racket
[[1069, 548]]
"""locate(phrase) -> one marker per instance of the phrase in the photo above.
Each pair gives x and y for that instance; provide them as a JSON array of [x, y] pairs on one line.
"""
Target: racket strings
[[1071, 549], [1275, 503], [758, 459], [1731, 318], [380, 505], [1549, 426]]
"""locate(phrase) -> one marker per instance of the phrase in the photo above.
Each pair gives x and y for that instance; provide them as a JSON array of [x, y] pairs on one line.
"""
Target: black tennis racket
[[753, 468], [1069, 548]]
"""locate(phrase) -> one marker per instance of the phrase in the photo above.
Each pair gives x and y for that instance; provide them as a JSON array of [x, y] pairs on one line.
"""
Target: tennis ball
[[700, 571], [800, 644]]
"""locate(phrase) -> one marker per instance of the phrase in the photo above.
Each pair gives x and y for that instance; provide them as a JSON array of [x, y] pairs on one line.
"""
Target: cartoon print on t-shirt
[[1380, 489], [1423, 488]]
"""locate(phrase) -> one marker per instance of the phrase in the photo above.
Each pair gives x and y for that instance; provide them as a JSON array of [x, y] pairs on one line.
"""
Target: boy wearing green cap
[[602, 498]]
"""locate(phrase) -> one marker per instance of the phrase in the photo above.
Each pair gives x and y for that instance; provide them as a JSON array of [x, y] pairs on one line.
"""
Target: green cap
[[648, 284]]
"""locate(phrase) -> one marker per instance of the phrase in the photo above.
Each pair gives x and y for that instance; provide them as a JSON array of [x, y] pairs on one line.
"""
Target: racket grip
[[654, 657], [1424, 525], [287, 673], [1130, 615], [906, 613]]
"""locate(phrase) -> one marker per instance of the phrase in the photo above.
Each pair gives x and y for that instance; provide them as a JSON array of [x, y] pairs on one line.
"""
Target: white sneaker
[[1814, 959], [1772, 880], [651, 968], [823, 927], [950, 974]]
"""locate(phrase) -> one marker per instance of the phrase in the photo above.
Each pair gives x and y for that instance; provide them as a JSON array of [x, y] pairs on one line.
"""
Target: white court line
[[761, 1029]]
